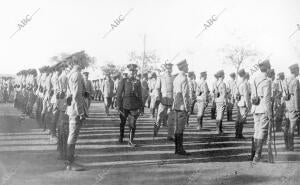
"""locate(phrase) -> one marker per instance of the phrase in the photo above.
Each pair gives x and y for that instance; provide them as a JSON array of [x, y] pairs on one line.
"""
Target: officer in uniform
[[202, 93], [97, 90], [108, 92], [261, 109], [181, 105], [153, 95], [63, 120], [88, 89], [192, 85], [231, 90], [292, 101], [46, 117], [220, 99], [145, 88], [279, 103], [130, 103], [116, 80], [54, 103], [213, 105], [39, 94], [164, 91], [77, 114], [243, 104]]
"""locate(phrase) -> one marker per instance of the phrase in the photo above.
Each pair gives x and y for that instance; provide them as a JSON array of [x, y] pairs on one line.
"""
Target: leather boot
[[44, 124], [176, 143], [257, 156], [221, 126], [291, 142], [237, 125], [121, 133], [239, 133], [286, 139], [253, 147], [228, 115], [155, 130], [181, 151], [131, 137], [70, 164], [200, 119], [240, 136], [213, 113], [218, 127]]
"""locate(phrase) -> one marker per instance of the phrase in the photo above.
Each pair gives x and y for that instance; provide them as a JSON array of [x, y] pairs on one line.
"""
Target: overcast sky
[[170, 26]]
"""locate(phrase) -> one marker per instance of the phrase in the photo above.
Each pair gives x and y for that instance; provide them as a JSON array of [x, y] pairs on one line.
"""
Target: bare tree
[[80, 58], [150, 62], [238, 55], [111, 68]]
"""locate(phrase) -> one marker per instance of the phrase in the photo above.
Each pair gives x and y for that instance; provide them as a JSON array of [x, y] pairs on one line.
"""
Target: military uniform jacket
[[220, 87], [116, 84], [55, 86], [202, 91], [263, 86], [164, 87], [232, 89], [76, 88], [88, 86], [152, 84], [243, 89], [181, 93], [63, 82], [108, 88], [129, 94], [145, 88], [293, 88], [192, 86], [48, 85]]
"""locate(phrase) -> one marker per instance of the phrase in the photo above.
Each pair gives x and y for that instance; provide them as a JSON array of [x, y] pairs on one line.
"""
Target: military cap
[[247, 75], [85, 73], [182, 64], [191, 74], [232, 75], [168, 65], [145, 75], [271, 73], [153, 75], [242, 72], [202, 74], [132, 67], [281, 74], [294, 67], [264, 64], [220, 73]]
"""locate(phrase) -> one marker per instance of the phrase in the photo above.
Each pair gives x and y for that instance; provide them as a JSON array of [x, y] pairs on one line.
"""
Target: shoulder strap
[[258, 85]]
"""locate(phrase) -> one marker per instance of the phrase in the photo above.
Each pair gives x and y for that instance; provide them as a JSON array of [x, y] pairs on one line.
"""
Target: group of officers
[[62, 95]]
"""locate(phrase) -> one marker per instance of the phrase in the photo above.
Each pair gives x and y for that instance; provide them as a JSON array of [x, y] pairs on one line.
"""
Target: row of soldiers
[[6, 89], [266, 98], [63, 96]]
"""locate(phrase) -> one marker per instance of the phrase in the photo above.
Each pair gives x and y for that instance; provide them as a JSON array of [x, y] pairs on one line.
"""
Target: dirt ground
[[27, 157]]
